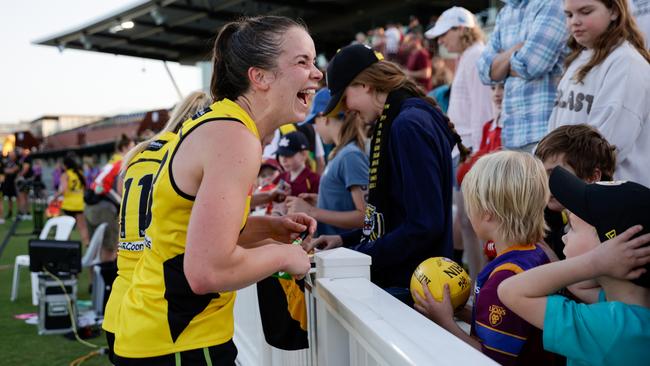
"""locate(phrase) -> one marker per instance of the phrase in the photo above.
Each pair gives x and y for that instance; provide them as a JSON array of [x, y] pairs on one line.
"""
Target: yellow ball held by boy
[[437, 271]]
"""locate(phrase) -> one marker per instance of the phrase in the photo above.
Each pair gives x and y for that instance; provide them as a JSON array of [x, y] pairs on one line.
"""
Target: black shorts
[[72, 213], [110, 340], [9, 188], [223, 354]]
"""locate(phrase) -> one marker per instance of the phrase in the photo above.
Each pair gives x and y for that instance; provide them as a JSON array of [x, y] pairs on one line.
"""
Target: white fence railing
[[351, 322]]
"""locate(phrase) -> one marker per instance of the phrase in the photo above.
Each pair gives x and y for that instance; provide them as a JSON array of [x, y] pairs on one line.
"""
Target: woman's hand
[[323, 242], [295, 204], [287, 228], [297, 261]]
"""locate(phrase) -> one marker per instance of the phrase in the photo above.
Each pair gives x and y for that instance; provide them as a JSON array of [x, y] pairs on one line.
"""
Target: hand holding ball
[[437, 271]]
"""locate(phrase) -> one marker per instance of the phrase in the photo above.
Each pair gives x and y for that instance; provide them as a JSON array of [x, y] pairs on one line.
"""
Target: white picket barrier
[[351, 322]]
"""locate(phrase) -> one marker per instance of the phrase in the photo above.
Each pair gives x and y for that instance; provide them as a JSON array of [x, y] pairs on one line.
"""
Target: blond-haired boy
[[505, 194]]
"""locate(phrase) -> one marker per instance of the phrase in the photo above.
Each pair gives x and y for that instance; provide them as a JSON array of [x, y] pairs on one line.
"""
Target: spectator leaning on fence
[[408, 215], [526, 50]]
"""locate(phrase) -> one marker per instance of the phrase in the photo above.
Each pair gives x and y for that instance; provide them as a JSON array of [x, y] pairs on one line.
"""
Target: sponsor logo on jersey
[[156, 145], [201, 112], [147, 242], [131, 246]]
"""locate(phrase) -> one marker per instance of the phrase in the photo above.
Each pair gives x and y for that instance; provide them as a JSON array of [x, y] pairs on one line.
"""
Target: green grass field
[[20, 343]]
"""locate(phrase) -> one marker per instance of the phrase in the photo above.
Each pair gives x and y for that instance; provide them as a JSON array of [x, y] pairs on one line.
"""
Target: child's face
[[481, 225], [587, 20], [294, 163], [322, 125], [266, 176], [497, 96], [361, 99], [549, 164], [580, 237]]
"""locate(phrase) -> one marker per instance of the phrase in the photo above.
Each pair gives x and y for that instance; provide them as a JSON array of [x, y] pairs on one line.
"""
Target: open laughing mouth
[[305, 96]]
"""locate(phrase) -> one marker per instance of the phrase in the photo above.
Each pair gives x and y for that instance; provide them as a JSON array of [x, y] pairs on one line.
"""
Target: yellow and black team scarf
[[284, 313], [373, 223]]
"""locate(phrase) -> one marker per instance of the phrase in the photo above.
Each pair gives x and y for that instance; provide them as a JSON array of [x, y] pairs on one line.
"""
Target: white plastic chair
[[92, 259], [63, 226], [92, 253]]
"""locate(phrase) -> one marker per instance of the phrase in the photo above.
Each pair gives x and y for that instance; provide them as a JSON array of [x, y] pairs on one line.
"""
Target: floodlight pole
[[178, 91]]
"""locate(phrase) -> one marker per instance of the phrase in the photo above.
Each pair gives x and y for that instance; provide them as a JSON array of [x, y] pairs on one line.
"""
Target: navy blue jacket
[[418, 217]]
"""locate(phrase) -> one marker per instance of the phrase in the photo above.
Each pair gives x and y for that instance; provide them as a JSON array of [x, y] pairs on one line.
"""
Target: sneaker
[[25, 217], [2, 221]]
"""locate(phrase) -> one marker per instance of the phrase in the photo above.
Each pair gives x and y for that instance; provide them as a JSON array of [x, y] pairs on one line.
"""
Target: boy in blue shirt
[[616, 329]]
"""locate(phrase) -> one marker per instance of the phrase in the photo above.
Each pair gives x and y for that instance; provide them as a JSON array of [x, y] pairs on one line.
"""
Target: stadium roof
[[183, 30]]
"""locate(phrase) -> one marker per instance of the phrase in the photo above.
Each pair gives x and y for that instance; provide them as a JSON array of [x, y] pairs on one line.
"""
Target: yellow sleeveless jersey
[[73, 197], [133, 221], [160, 314]]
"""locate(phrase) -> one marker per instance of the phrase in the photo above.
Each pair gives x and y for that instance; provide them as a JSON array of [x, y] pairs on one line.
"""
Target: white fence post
[[330, 340], [342, 263]]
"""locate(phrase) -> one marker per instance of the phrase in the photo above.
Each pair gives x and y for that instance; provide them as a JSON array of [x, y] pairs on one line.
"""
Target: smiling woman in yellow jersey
[[200, 246], [139, 167]]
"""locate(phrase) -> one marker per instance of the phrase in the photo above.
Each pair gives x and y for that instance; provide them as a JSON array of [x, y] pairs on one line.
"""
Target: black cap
[[292, 143], [610, 207], [348, 62]]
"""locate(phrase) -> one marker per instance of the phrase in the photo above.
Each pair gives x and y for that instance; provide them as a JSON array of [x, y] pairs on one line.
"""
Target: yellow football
[[437, 271]]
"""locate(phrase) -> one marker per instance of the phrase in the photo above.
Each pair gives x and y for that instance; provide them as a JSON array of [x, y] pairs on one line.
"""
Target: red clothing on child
[[490, 142], [418, 60], [306, 182], [491, 137]]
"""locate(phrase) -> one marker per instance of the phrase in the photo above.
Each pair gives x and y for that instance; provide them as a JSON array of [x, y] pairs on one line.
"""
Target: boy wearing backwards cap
[[505, 194], [616, 330]]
